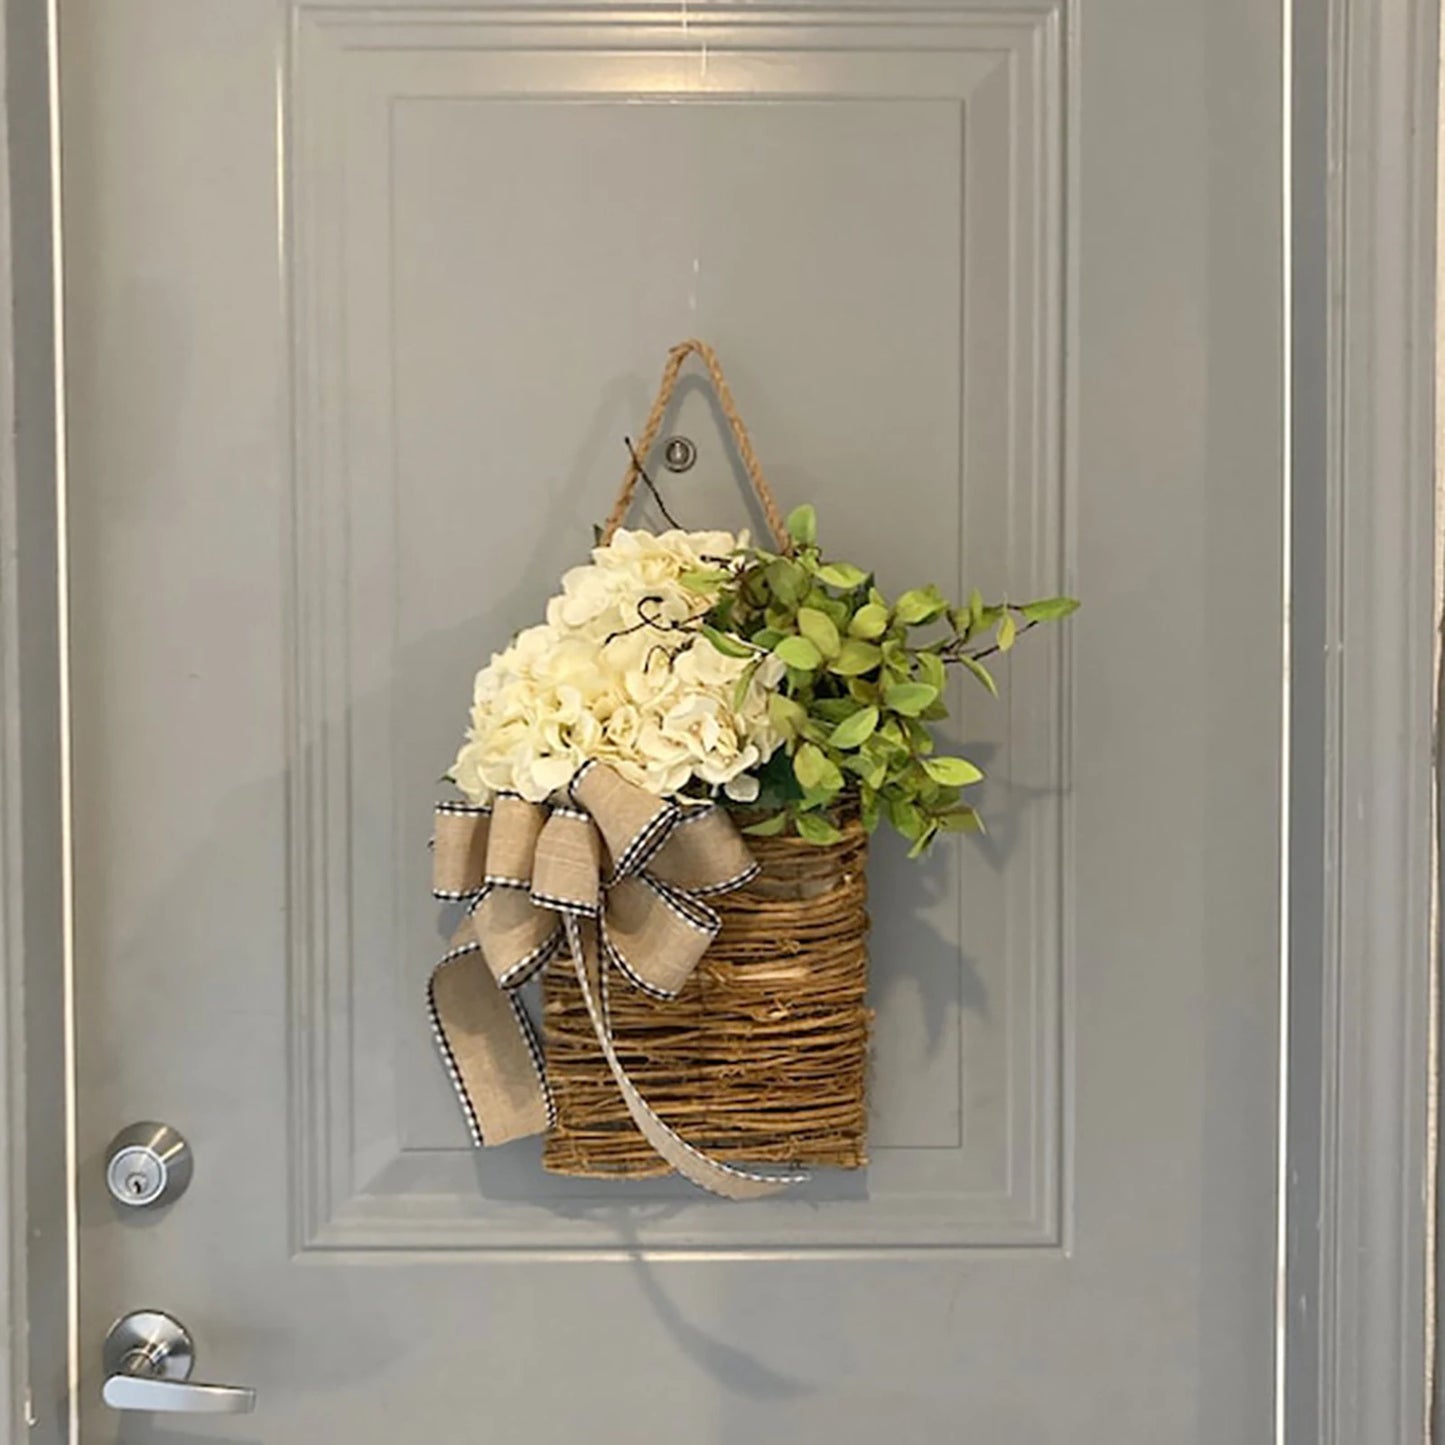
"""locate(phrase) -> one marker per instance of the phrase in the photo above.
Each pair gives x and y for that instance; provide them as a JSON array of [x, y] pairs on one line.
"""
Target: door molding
[[35, 1260], [1360, 883]]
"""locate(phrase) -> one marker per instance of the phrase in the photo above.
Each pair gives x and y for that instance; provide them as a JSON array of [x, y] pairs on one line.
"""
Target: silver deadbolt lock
[[147, 1164]]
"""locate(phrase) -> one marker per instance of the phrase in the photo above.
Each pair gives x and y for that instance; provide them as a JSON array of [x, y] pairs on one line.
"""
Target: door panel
[[361, 302], [463, 482]]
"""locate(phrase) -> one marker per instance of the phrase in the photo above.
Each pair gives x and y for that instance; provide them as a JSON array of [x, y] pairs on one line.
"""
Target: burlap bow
[[608, 875]]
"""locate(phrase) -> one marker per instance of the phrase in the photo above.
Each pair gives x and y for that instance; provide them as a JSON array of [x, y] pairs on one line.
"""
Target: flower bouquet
[[697, 666], [687, 691]]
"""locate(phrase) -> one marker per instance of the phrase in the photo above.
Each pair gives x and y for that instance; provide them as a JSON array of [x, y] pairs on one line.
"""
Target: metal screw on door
[[679, 453], [148, 1359]]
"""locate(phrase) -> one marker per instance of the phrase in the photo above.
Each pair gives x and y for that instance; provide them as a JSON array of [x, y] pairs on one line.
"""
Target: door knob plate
[[162, 1343]]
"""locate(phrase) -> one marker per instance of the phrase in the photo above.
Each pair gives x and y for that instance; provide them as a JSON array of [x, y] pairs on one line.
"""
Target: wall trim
[[1361, 766], [12, 1079], [35, 1262]]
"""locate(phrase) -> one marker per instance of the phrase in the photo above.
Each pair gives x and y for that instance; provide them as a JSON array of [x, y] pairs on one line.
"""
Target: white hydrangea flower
[[595, 680]]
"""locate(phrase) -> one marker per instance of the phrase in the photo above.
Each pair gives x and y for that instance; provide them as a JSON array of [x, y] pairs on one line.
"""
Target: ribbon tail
[[703, 1170], [490, 1050]]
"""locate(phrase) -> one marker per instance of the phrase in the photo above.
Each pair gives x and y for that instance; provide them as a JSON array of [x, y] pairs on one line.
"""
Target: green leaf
[[905, 817], [981, 673], [842, 574], [952, 772], [920, 738], [817, 829], [920, 844], [909, 698], [854, 731], [832, 709], [777, 785], [1007, 631], [869, 621], [873, 771], [869, 808], [961, 820], [1049, 609], [703, 579], [833, 607], [855, 657], [930, 670], [975, 607], [815, 798], [813, 768], [768, 827], [881, 749], [820, 630], [920, 605], [803, 524], [798, 652], [785, 714], [744, 682], [786, 580], [728, 646]]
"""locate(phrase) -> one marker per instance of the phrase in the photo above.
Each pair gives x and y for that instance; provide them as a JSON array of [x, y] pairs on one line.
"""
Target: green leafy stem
[[863, 688]]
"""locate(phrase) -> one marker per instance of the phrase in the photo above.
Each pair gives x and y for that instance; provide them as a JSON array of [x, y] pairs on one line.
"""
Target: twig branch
[[657, 623], [958, 653], [651, 485]]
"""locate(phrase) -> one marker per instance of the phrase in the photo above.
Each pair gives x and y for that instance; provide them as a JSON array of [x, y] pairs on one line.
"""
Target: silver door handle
[[139, 1392], [148, 1361]]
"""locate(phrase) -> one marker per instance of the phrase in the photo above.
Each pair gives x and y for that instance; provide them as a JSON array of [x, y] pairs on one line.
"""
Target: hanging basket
[[763, 1056], [704, 1005], [704, 1001]]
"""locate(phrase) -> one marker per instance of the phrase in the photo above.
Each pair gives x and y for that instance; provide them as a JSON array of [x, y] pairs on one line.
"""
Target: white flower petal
[[742, 789]]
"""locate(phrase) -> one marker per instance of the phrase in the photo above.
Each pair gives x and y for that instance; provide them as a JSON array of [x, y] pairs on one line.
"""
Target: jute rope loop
[[670, 373]]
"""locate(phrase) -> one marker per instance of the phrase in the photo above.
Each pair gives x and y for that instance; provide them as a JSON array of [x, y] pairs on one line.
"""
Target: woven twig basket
[[762, 1058]]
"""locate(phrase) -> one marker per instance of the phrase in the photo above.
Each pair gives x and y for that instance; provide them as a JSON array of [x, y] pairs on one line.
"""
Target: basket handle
[[751, 465]]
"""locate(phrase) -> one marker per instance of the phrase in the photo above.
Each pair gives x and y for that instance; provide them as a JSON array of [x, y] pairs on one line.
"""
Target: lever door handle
[[142, 1392], [148, 1361]]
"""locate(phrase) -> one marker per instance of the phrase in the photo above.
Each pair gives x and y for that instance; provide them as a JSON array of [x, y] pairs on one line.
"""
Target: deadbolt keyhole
[[147, 1164]]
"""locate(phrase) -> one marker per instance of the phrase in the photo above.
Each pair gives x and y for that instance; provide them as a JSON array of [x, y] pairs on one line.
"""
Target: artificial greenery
[[864, 685]]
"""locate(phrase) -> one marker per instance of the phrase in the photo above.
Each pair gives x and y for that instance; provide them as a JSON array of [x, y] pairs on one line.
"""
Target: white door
[[361, 300]]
